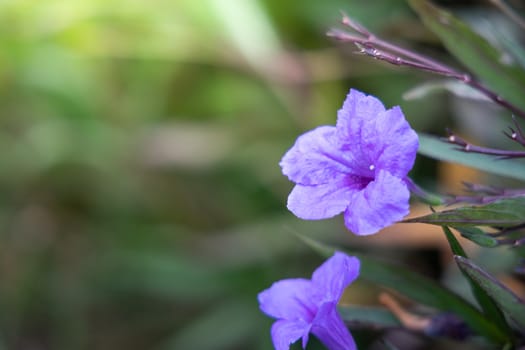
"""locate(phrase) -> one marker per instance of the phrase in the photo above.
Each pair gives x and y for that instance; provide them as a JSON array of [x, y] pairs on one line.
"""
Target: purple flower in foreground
[[357, 167], [304, 306]]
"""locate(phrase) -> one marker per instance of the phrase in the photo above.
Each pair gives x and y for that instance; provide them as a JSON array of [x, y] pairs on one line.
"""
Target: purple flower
[[303, 306], [357, 167]]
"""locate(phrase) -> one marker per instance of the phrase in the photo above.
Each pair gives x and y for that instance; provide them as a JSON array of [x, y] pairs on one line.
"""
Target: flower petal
[[357, 109], [314, 158], [378, 139], [334, 275], [288, 299], [330, 329], [321, 201], [285, 333], [395, 144], [383, 202]]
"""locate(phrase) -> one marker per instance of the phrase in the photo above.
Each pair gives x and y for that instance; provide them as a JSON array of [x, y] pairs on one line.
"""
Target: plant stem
[[469, 147], [369, 44]]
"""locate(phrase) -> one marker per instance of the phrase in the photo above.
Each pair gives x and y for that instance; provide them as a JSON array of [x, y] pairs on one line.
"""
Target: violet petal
[[332, 277], [330, 329], [313, 160], [383, 202], [284, 333], [288, 299], [321, 201]]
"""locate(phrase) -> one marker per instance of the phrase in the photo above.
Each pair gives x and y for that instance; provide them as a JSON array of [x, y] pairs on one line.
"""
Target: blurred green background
[[141, 201]]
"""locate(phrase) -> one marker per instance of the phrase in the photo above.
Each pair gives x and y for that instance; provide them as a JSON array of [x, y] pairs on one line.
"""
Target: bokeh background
[[141, 201]]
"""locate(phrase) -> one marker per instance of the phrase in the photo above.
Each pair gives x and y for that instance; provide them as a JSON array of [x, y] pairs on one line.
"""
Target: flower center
[[358, 182], [372, 167]]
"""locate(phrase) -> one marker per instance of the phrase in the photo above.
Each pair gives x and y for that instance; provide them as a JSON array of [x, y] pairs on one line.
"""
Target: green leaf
[[478, 236], [456, 248], [373, 316], [474, 52], [418, 288], [506, 212], [490, 309], [453, 86], [509, 303], [432, 147]]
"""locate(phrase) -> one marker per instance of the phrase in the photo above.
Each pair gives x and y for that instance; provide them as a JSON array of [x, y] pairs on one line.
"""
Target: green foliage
[[373, 316], [478, 236], [506, 212], [489, 307], [510, 304], [141, 201], [139, 177]]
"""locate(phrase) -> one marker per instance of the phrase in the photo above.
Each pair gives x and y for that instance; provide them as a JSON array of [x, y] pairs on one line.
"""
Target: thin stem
[[482, 194], [427, 197], [372, 38], [399, 61], [370, 45], [373, 41], [469, 147]]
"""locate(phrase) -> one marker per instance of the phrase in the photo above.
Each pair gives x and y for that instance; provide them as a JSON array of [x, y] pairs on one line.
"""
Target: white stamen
[[372, 167]]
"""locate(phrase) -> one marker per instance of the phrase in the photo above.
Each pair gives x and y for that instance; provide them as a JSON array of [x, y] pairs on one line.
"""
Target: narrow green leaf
[[478, 236], [456, 248], [373, 316], [490, 309], [511, 305], [432, 147], [506, 212], [474, 52], [418, 288], [453, 86]]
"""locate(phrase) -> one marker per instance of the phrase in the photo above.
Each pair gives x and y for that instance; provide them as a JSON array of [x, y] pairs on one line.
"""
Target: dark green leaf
[[474, 52], [456, 248], [374, 316], [511, 305], [432, 147], [503, 213], [490, 309], [418, 288], [478, 236]]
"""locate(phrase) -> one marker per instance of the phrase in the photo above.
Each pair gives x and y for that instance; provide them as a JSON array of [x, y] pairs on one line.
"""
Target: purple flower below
[[357, 167], [303, 306]]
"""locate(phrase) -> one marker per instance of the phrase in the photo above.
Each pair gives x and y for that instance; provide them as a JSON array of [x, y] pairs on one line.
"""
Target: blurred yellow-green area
[[141, 201]]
